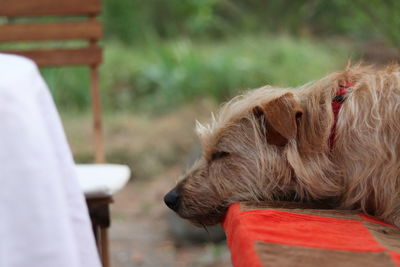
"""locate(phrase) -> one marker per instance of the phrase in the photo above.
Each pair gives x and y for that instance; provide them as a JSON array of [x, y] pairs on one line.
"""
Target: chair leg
[[105, 254], [100, 217]]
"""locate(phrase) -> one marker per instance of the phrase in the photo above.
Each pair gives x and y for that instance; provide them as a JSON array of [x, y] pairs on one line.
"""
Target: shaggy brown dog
[[274, 144]]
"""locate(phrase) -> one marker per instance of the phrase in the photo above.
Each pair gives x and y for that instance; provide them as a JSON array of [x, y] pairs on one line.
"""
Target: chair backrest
[[84, 27]]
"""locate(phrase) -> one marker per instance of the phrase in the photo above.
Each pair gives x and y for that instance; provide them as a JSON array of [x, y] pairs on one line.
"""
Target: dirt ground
[[139, 232]]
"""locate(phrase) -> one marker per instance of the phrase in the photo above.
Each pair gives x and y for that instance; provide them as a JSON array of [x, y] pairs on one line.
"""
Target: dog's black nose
[[172, 199]]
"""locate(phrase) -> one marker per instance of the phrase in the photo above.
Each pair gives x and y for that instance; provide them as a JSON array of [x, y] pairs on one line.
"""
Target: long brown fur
[[275, 144]]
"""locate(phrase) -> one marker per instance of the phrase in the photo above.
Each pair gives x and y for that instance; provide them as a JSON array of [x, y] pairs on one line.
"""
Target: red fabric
[[373, 220], [240, 239], [244, 228], [396, 257]]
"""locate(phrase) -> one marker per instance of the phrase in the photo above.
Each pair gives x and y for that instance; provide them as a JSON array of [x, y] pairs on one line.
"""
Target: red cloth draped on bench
[[291, 234]]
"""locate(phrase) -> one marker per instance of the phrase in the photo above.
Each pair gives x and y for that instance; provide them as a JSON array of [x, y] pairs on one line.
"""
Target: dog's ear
[[280, 117]]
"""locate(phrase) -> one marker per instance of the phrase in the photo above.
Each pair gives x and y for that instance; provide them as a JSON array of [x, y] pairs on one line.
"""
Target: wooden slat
[[15, 8], [96, 110], [63, 57], [50, 31]]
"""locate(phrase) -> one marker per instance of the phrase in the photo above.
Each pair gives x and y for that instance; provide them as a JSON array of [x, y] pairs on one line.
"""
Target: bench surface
[[292, 234]]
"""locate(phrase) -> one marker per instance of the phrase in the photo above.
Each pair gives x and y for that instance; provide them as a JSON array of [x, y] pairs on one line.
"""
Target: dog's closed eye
[[219, 155]]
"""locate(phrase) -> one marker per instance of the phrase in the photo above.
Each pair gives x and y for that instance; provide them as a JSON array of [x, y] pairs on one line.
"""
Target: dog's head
[[243, 156]]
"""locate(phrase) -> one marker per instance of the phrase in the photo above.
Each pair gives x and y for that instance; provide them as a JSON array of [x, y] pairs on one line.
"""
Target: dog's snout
[[172, 199]]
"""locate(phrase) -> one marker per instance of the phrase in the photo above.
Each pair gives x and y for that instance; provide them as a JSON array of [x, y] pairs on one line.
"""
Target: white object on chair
[[101, 180], [44, 217]]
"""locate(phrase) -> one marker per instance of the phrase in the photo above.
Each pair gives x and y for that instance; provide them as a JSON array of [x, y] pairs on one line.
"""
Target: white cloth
[[102, 180], [43, 217]]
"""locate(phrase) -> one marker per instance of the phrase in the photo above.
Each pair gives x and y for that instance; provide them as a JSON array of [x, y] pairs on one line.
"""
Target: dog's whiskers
[[205, 228]]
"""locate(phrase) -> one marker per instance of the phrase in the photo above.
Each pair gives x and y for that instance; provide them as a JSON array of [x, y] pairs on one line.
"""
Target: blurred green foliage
[[162, 53], [136, 20], [160, 75]]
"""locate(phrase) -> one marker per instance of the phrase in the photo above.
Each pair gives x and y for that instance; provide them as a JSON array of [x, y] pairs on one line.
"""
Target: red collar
[[337, 102]]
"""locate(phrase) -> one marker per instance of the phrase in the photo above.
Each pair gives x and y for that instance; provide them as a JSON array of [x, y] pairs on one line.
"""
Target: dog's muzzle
[[172, 199]]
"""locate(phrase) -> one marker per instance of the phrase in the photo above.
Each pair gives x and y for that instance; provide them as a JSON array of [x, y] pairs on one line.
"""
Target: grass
[[157, 76]]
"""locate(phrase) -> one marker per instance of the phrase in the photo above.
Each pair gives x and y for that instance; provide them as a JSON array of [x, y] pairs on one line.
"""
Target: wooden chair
[[98, 181]]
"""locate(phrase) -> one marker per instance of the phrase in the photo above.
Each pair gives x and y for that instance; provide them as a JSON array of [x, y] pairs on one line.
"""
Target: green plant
[[160, 75]]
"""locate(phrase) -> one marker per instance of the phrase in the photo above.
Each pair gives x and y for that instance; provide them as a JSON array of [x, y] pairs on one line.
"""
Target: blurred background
[[168, 63]]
